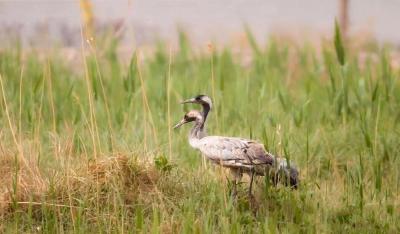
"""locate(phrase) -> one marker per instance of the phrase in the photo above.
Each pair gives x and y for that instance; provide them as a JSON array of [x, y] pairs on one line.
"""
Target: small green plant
[[162, 163]]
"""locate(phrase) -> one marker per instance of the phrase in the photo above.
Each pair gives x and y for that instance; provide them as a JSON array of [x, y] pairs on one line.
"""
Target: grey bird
[[282, 170], [238, 154]]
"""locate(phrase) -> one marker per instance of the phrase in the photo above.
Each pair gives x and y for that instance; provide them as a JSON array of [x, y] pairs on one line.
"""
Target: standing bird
[[282, 170], [238, 154]]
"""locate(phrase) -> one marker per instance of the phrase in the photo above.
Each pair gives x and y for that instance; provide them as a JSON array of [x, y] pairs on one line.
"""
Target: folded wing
[[231, 151]]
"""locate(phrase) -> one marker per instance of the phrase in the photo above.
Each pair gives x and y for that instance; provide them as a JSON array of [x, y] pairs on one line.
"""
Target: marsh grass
[[91, 149]]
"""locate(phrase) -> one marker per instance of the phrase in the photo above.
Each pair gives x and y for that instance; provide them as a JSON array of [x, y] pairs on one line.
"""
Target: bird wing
[[234, 150]]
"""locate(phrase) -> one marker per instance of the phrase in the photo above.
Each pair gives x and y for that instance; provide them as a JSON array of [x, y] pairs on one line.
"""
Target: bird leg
[[251, 181], [234, 188], [237, 174]]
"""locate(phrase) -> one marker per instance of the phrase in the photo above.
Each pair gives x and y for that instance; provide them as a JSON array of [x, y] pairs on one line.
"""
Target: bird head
[[190, 116], [201, 99], [288, 173]]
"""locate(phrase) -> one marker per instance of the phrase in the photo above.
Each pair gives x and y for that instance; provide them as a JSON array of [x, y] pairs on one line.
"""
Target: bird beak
[[182, 122], [191, 100]]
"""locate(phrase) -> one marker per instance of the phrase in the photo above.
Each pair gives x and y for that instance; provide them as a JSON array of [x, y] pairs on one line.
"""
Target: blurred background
[[143, 22]]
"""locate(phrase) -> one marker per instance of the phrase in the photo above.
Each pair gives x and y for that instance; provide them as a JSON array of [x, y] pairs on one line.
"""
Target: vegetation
[[87, 146]]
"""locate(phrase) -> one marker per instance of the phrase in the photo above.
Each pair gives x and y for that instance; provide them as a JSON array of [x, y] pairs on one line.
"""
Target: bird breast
[[194, 142]]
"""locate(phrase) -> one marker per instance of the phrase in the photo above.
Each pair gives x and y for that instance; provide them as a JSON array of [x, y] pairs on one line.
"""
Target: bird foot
[[251, 196], [234, 196], [253, 203]]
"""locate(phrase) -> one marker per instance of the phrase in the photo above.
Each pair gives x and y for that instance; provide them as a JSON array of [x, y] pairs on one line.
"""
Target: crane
[[238, 154]]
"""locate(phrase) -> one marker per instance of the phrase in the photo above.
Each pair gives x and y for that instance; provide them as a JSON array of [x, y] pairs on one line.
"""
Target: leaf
[[252, 41], [339, 45]]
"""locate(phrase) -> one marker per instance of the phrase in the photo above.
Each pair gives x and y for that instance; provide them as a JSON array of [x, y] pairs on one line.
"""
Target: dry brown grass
[[116, 174], [117, 180], [18, 184]]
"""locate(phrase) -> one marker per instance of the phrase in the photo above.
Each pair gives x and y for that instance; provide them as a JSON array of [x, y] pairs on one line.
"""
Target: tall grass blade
[[339, 48]]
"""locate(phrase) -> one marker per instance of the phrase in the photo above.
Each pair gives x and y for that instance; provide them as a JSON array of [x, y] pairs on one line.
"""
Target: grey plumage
[[234, 152], [239, 154]]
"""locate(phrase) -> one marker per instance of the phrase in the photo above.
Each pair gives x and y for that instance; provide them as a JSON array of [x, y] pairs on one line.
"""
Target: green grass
[[87, 144]]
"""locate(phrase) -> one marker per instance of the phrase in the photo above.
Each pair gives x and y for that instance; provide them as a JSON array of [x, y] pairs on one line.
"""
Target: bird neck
[[206, 110], [196, 133]]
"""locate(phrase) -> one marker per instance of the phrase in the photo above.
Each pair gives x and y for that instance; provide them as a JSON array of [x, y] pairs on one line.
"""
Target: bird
[[282, 169], [238, 154]]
